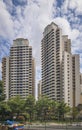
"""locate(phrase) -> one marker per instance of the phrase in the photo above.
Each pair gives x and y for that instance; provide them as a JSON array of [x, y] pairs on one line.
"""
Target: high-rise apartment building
[[70, 75], [33, 77], [66, 43], [67, 91], [76, 79], [51, 62], [59, 78], [5, 76], [81, 88], [21, 69]]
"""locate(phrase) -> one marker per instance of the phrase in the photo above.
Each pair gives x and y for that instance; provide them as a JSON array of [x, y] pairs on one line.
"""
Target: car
[[13, 125]]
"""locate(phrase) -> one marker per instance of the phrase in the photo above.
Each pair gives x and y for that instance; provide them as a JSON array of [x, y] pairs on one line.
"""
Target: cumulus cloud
[[36, 15], [73, 5], [26, 21], [77, 5], [28, 18], [6, 23]]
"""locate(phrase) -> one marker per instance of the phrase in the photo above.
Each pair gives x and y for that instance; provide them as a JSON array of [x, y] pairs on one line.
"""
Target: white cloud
[[74, 5], [9, 5], [65, 6], [77, 5], [6, 23], [29, 22], [36, 15]]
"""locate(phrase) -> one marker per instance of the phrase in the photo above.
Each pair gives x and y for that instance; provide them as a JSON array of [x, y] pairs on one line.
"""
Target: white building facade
[[5, 76], [51, 62], [59, 78], [21, 80]]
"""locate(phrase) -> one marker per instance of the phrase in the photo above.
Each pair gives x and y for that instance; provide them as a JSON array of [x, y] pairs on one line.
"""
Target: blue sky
[[28, 18]]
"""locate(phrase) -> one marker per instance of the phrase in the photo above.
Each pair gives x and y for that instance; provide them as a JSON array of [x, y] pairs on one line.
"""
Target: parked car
[[13, 125]]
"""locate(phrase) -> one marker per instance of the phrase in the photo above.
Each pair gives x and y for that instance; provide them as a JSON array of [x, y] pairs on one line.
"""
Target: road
[[55, 128]]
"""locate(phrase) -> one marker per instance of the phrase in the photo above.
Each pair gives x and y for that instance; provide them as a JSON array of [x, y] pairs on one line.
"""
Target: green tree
[[62, 109], [74, 112], [2, 96], [16, 105], [30, 106], [42, 108], [53, 109], [4, 110]]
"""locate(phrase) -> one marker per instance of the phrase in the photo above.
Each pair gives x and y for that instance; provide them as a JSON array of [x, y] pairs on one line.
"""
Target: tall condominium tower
[[70, 74], [51, 62], [67, 91], [60, 73], [81, 81], [33, 77], [76, 79], [81, 88], [5, 76], [21, 69]]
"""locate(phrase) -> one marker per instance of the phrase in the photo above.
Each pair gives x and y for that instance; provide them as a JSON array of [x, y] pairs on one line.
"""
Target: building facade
[[33, 77], [67, 90], [21, 70], [39, 89], [81, 88], [76, 79], [58, 73], [67, 71], [5, 76], [51, 62]]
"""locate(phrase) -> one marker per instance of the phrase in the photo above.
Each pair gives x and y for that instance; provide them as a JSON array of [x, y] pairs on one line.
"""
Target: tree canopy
[[2, 96], [42, 109]]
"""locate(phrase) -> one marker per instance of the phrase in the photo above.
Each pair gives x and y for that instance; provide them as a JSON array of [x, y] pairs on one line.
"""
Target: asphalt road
[[56, 128]]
